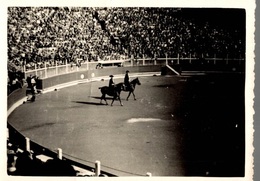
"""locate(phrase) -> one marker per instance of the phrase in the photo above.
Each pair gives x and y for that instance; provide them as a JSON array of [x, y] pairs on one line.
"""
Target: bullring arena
[[154, 133], [188, 118]]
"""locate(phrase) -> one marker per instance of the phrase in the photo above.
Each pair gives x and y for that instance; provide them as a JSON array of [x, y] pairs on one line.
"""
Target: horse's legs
[[114, 97], [128, 95], [120, 100], [134, 95], [112, 101], [103, 97]]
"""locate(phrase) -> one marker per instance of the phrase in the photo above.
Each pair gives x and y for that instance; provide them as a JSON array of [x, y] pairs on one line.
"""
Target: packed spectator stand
[[39, 36], [59, 34]]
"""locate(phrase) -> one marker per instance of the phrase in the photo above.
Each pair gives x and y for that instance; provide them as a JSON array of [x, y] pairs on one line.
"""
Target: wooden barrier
[[148, 174], [27, 144], [97, 168], [87, 75], [59, 153]]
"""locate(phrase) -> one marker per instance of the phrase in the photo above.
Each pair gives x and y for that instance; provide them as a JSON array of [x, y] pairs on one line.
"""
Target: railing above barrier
[[70, 67]]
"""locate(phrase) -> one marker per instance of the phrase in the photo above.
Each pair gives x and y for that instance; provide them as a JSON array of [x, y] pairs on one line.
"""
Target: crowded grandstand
[[55, 35]]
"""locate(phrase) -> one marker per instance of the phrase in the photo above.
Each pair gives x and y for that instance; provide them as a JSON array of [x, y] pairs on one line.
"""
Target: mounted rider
[[127, 84], [111, 84]]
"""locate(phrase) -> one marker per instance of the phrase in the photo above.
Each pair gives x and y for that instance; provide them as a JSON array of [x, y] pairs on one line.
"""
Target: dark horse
[[131, 88], [114, 92]]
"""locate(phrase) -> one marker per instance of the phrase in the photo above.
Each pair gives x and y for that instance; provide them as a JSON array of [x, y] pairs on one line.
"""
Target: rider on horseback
[[126, 81], [111, 84]]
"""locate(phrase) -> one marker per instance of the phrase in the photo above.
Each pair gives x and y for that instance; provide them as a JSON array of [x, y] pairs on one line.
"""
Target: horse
[[114, 92], [131, 88]]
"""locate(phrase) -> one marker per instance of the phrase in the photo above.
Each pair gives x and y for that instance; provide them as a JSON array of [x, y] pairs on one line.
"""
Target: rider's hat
[[127, 71], [111, 76]]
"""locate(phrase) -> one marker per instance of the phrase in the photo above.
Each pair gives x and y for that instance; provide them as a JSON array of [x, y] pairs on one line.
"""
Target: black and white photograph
[[128, 91]]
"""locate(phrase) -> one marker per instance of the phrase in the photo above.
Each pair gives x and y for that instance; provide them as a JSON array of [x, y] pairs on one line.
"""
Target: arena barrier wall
[[16, 98], [90, 74]]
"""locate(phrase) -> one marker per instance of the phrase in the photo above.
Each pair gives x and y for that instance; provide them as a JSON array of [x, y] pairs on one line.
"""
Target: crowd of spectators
[[25, 163], [49, 36], [15, 81], [28, 163], [157, 31], [96, 33]]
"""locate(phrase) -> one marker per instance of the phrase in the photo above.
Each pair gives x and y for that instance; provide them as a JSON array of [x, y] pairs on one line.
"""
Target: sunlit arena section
[[184, 117]]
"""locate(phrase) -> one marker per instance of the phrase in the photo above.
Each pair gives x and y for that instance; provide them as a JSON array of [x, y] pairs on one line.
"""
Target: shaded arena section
[[178, 126]]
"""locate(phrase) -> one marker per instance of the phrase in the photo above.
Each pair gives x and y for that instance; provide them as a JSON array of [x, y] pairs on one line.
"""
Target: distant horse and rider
[[114, 90], [131, 87]]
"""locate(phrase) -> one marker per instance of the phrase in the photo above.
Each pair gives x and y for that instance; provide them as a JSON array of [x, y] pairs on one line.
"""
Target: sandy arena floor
[[178, 126]]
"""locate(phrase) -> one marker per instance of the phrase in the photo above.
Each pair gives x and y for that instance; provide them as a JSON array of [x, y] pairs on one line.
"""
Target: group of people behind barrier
[[31, 86], [27, 164]]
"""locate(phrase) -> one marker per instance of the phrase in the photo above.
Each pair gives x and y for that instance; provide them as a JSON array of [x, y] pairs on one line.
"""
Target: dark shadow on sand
[[89, 103], [95, 97]]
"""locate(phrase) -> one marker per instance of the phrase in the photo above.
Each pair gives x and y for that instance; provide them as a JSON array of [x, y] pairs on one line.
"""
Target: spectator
[[28, 165], [56, 167], [33, 85], [28, 80]]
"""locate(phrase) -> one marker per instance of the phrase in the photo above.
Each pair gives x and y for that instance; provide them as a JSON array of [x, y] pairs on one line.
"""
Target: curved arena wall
[[90, 74], [19, 96]]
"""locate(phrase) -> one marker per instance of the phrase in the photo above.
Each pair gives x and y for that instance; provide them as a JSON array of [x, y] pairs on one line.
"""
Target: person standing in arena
[[33, 84], [28, 80], [33, 88]]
